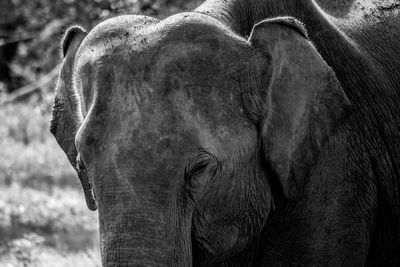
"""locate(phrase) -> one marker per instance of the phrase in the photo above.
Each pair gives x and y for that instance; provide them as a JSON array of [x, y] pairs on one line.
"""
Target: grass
[[43, 216]]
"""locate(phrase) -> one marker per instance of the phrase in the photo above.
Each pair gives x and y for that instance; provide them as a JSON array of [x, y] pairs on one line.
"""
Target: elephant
[[242, 133]]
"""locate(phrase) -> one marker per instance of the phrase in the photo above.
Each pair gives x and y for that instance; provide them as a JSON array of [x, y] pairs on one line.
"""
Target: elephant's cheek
[[212, 246], [226, 230]]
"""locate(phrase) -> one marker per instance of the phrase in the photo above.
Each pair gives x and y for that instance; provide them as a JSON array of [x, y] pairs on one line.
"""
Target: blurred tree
[[24, 62], [7, 52]]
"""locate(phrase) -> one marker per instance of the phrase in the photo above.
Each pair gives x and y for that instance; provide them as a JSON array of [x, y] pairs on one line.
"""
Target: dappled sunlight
[[44, 220], [33, 223], [29, 154]]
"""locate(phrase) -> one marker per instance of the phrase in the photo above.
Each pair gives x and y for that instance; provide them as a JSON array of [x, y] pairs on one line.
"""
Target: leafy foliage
[[39, 25]]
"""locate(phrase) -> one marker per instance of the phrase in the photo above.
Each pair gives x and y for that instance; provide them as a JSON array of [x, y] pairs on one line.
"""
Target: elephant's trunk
[[138, 230], [136, 165], [137, 240], [137, 188]]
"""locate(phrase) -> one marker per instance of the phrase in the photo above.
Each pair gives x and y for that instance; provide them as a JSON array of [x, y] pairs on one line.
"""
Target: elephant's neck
[[241, 15]]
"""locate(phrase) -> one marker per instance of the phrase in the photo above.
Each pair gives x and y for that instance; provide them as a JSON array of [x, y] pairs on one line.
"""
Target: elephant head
[[182, 126]]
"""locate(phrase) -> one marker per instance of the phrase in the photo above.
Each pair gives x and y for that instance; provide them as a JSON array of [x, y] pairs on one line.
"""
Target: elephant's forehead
[[127, 52], [169, 75], [113, 52], [138, 34], [110, 39]]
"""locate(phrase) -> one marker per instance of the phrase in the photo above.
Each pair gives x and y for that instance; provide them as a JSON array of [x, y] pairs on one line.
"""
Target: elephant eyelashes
[[199, 163]]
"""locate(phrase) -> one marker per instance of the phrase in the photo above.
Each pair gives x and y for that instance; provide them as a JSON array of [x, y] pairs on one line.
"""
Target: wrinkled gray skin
[[225, 137]]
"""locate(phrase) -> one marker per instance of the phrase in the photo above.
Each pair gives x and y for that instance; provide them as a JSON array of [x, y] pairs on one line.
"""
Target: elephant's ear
[[305, 101], [67, 115]]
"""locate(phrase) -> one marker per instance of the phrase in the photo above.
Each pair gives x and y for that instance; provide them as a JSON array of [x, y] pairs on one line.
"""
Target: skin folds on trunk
[[137, 229], [142, 240]]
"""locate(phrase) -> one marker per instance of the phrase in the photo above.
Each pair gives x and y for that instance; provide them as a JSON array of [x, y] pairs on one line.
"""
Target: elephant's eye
[[195, 169], [200, 163]]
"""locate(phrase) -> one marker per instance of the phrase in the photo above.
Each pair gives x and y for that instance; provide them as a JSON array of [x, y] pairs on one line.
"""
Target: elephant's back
[[369, 10], [374, 25], [336, 8], [381, 40]]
